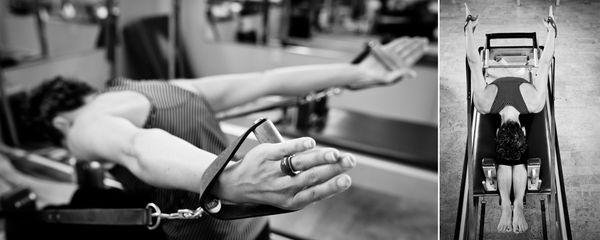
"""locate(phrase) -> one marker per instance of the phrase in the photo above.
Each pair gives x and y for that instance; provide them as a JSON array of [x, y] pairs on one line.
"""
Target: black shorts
[[511, 163]]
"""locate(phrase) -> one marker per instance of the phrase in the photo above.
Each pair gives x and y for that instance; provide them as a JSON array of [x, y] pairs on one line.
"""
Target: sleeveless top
[[509, 94], [188, 116]]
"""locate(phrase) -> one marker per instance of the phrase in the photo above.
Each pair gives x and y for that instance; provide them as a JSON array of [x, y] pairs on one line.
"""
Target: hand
[[403, 53], [471, 21], [549, 22], [257, 178]]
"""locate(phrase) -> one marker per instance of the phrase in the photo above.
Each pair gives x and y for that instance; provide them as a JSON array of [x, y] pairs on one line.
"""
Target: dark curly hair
[[53, 97], [510, 142]]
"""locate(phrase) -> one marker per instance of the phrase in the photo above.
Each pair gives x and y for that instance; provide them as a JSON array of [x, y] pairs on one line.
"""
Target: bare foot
[[519, 224], [505, 224]]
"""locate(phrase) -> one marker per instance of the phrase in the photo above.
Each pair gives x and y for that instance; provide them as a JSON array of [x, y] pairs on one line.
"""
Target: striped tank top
[[509, 94], [188, 116]]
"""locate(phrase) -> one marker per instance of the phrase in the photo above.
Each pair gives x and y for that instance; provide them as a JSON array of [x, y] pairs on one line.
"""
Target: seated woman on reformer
[[510, 94]]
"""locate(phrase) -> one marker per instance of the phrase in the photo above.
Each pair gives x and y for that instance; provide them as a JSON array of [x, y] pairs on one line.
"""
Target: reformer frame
[[480, 144]]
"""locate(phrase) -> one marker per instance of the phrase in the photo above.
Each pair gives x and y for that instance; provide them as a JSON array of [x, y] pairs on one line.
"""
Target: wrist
[[222, 188], [359, 76]]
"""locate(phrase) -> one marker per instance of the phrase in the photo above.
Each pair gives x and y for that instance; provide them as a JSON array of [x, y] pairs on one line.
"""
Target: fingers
[[315, 157], [410, 53], [322, 173], [403, 41], [319, 192], [277, 151]]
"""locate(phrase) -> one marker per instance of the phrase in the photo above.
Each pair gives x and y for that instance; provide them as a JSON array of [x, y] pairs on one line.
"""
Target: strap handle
[[236, 211]]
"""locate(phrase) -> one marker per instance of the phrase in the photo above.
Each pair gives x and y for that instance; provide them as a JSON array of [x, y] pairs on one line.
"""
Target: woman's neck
[[509, 113]]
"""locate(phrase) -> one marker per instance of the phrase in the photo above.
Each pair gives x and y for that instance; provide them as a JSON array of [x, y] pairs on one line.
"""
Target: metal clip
[[155, 212]]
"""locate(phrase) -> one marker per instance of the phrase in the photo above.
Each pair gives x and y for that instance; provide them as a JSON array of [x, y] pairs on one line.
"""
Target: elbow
[[138, 151], [537, 108], [539, 105]]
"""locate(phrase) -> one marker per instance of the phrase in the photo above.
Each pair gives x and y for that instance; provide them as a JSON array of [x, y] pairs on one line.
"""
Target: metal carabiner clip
[[154, 213]]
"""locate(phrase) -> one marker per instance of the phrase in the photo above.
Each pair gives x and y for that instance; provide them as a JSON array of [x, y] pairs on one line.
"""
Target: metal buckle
[[154, 212]]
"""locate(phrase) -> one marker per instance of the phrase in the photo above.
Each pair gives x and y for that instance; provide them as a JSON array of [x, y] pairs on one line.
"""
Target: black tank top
[[188, 116], [509, 94]]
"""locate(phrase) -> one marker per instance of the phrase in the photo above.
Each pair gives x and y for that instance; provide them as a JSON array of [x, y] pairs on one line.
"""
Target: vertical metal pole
[[482, 220], [544, 228], [110, 26], [472, 218], [6, 113], [284, 28], [265, 21], [41, 29], [173, 39]]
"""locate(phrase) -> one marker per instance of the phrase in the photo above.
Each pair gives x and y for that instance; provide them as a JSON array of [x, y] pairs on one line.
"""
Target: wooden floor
[[577, 115]]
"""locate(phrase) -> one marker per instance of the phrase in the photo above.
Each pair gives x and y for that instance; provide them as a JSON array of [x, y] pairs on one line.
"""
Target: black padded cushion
[[537, 142]]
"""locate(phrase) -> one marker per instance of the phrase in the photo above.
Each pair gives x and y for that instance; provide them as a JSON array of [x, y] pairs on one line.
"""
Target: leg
[[504, 186], [519, 185]]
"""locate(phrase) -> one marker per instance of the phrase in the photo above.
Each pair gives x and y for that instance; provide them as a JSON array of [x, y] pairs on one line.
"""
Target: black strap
[[362, 55], [230, 211], [470, 18], [90, 216]]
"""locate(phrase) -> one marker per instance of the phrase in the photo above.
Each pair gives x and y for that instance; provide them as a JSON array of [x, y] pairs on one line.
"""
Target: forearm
[[541, 80], [301, 80], [163, 160], [226, 91], [475, 64], [548, 52], [472, 53]]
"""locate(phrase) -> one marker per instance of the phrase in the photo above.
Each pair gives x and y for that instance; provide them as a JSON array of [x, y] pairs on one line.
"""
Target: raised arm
[[481, 101], [540, 81], [226, 91]]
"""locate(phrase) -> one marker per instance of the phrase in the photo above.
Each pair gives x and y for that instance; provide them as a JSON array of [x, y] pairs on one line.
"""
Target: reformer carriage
[[544, 181]]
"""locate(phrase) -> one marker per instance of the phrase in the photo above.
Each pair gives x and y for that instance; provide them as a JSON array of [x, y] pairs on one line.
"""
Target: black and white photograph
[[219, 119], [518, 123]]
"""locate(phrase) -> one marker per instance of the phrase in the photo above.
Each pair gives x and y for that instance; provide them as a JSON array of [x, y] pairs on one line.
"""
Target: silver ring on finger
[[286, 166]]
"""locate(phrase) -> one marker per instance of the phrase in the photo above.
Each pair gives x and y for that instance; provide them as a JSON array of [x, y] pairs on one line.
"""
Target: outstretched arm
[[163, 160], [230, 90], [478, 83], [226, 91], [540, 81]]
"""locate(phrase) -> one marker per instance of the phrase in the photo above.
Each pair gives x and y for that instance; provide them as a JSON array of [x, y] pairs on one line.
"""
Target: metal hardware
[[155, 212]]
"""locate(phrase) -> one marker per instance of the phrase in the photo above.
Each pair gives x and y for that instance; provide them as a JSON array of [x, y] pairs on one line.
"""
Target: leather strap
[[90, 216], [232, 211]]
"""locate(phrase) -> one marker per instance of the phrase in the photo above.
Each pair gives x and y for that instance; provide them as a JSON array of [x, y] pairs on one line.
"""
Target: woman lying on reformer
[[510, 94]]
